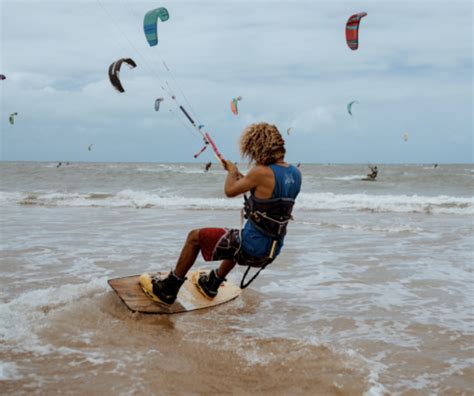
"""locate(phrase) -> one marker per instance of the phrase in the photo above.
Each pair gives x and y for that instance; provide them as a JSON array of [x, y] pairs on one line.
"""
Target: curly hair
[[262, 143]]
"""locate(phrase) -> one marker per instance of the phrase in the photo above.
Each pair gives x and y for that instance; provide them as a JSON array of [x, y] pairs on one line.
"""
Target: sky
[[287, 59]]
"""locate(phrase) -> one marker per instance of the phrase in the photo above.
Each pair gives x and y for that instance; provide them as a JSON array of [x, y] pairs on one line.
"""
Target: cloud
[[288, 60]]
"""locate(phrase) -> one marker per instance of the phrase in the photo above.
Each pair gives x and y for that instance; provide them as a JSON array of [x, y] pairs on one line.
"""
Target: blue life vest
[[267, 218]]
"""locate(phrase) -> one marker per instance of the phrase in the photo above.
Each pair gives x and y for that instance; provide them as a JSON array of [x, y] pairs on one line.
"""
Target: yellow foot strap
[[147, 287]]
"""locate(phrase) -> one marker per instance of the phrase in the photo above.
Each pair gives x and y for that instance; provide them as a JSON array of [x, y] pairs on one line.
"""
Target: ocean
[[373, 293]]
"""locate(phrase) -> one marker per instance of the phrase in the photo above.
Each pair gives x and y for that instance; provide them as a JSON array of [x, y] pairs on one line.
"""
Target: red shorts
[[219, 243]]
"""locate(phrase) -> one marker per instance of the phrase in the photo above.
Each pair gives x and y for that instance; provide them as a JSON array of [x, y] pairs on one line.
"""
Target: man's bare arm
[[236, 183]]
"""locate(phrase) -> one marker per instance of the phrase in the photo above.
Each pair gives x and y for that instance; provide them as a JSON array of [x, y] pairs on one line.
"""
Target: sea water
[[372, 294]]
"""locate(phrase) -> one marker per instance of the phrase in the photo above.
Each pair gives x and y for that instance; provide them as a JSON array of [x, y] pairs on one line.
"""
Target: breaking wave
[[441, 204]]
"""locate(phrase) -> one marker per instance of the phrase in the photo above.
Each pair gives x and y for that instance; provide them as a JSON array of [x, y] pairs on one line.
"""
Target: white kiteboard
[[189, 297]]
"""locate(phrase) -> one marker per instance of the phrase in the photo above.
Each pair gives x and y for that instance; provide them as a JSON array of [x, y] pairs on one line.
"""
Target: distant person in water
[[273, 186], [208, 166], [298, 165], [435, 165], [373, 174], [58, 165]]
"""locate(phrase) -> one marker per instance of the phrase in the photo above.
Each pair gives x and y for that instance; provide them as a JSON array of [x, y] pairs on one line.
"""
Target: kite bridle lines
[[168, 90]]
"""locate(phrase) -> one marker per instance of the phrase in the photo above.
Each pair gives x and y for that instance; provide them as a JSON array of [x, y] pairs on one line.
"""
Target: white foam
[[9, 371], [345, 178], [365, 227], [23, 316], [386, 203], [441, 204], [165, 168]]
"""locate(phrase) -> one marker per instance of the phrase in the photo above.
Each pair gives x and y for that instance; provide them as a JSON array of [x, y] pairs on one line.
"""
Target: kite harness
[[271, 217]]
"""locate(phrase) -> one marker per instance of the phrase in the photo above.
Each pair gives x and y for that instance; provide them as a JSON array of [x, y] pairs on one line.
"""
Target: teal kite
[[349, 106], [150, 24]]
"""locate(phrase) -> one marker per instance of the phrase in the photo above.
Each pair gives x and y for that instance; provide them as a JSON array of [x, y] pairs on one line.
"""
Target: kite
[[200, 127], [349, 106], [233, 105], [405, 136], [150, 24], [12, 117], [90, 147], [288, 130], [157, 103], [352, 30], [114, 72], [2, 77]]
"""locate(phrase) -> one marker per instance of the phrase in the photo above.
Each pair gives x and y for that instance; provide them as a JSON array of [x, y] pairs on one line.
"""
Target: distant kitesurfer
[[273, 185], [435, 165], [298, 165], [208, 166], [58, 165], [373, 174]]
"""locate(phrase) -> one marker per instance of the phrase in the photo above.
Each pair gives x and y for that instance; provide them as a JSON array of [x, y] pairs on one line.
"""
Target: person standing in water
[[273, 185], [208, 166]]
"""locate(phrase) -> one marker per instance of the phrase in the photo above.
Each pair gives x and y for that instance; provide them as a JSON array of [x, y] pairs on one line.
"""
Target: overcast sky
[[288, 60]]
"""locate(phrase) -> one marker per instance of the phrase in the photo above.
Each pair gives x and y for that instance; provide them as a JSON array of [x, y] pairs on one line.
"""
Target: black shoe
[[209, 284], [167, 289]]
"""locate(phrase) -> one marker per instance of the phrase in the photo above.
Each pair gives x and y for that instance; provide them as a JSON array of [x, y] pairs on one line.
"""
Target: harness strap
[[243, 285], [264, 262], [264, 215]]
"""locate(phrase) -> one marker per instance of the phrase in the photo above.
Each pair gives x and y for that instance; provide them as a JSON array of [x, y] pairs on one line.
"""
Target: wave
[[360, 227], [387, 203], [344, 178], [441, 204], [163, 168], [25, 314]]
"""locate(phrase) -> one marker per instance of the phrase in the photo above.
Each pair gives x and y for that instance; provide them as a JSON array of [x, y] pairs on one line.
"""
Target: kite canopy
[[114, 72], [2, 77], [233, 105], [349, 106], [157, 103], [90, 147], [289, 130], [405, 136], [352, 30], [12, 117], [200, 126], [150, 24]]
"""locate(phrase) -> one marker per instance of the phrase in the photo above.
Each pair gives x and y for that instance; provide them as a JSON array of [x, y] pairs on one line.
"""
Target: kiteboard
[[189, 297]]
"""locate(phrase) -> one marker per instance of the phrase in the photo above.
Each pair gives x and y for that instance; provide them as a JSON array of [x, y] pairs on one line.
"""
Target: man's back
[[286, 182]]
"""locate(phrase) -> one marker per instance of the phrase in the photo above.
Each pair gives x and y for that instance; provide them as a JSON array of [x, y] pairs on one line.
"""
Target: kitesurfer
[[273, 185], [59, 164], [208, 166], [373, 174]]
